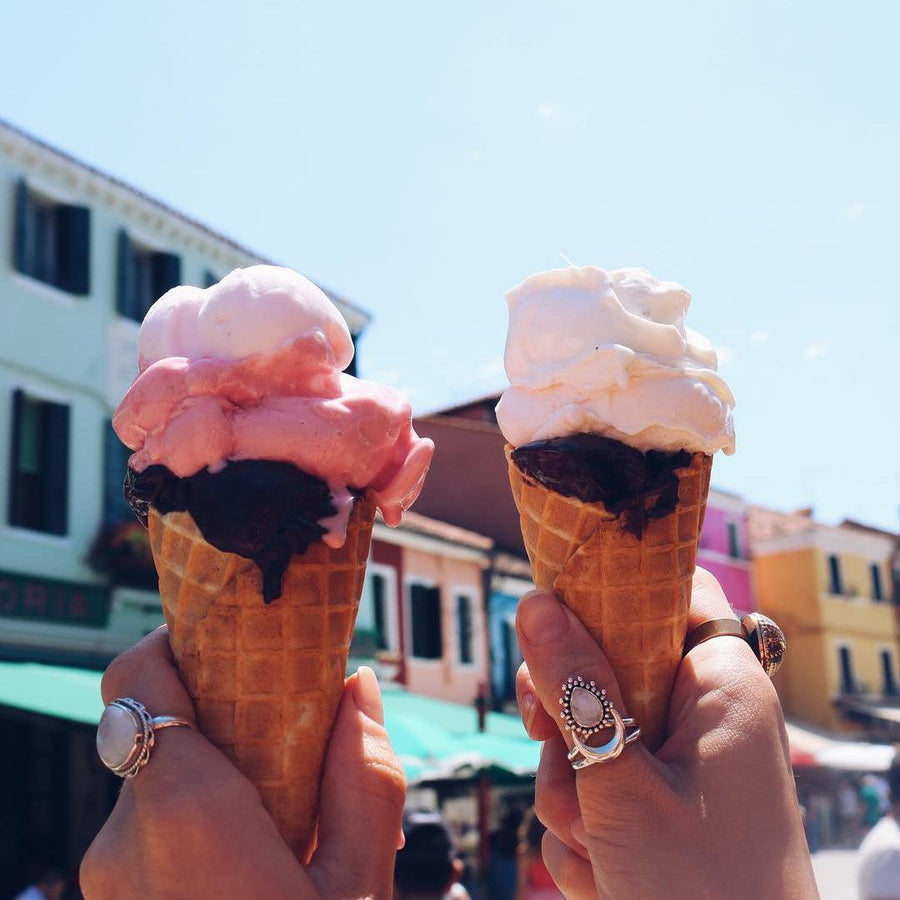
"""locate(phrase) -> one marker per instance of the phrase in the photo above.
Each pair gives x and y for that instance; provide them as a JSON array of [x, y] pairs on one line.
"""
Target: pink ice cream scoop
[[250, 368]]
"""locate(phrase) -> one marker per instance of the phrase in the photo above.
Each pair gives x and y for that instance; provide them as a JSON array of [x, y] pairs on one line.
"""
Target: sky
[[421, 159]]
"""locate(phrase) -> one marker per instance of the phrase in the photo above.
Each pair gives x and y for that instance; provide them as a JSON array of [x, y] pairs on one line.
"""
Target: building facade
[[422, 612], [830, 589], [725, 548], [82, 257]]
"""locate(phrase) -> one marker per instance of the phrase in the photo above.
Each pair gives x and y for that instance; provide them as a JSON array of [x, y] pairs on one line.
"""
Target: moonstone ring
[[586, 711], [126, 735]]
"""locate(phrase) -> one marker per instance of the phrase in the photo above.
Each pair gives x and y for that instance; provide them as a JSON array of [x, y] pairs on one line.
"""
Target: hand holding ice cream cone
[[612, 416], [258, 467]]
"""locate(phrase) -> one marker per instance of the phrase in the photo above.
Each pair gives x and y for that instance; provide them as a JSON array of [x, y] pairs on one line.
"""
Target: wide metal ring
[[766, 639], [586, 711], [126, 735]]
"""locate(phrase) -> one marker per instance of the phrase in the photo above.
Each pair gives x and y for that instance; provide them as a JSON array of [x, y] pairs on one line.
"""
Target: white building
[[82, 257]]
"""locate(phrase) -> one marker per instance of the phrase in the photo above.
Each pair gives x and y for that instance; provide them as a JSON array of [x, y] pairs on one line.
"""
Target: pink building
[[422, 616], [725, 549]]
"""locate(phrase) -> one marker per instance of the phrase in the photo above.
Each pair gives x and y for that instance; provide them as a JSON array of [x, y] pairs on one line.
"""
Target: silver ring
[[126, 735], [587, 710]]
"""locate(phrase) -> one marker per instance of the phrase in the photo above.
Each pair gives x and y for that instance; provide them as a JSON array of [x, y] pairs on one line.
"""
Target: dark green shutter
[[18, 398], [74, 248], [166, 272], [20, 238], [115, 459], [56, 468], [125, 279]]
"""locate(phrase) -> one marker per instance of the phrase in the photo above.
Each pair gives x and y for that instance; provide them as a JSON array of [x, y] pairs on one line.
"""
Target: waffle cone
[[632, 594], [266, 680]]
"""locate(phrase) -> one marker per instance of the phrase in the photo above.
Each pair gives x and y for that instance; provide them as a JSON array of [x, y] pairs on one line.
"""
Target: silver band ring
[[126, 735], [587, 710]]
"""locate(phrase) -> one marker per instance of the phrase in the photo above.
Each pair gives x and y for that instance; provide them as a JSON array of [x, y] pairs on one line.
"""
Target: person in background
[[50, 885], [879, 854], [502, 869], [426, 867], [534, 882], [847, 808], [871, 801]]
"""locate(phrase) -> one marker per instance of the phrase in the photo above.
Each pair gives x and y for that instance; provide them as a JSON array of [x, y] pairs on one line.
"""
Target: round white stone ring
[[126, 735], [586, 711]]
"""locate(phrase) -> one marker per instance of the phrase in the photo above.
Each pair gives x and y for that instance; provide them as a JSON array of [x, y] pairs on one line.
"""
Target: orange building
[[831, 590]]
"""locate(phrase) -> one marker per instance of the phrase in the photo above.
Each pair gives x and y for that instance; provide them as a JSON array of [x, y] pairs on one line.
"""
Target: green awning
[[433, 738]]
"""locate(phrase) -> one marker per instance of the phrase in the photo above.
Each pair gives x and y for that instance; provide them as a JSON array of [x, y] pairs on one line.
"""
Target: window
[[887, 672], [464, 628], [352, 369], [52, 241], [210, 278], [848, 683], [144, 276], [379, 611], [834, 574], [877, 593], [425, 621], [39, 470], [734, 546], [115, 461]]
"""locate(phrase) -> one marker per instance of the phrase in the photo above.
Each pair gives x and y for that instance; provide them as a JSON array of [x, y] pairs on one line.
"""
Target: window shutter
[[74, 243], [20, 241], [56, 468], [115, 460], [125, 280], [166, 272], [18, 398]]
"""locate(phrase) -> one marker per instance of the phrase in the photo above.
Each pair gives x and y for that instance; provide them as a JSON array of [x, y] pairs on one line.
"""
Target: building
[[830, 589], [82, 256], [468, 485], [725, 548], [422, 611]]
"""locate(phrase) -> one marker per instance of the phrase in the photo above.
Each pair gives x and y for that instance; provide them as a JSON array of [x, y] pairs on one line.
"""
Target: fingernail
[[528, 707], [401, 843], [541, 617], [367, 694], [578, 831]]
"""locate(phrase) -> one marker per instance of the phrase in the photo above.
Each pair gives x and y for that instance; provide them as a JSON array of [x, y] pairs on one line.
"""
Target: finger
[[571, 872], [537, 723], [720, 684], [556, 645], [363, 791], [146, 672], [556, 799]]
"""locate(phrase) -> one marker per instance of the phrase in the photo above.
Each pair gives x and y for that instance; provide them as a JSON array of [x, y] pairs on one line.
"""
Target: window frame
[[392, 625], [470, 593], [876, 584], [886, 650], [409, 581], [38, 395], [51, 196], [835, 579], [840, 646]]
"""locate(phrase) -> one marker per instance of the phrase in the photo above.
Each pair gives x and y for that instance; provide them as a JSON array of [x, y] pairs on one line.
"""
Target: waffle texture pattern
[[266, 680], [632, 594]]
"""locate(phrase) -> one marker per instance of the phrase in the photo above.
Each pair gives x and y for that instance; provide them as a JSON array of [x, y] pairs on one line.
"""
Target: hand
[[190, 825], [713, 814]]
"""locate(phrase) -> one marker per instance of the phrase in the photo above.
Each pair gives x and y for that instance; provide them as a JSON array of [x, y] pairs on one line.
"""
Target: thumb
[[361, 804]]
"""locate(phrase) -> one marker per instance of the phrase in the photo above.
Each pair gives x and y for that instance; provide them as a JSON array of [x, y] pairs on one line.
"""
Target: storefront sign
[[63, 602]]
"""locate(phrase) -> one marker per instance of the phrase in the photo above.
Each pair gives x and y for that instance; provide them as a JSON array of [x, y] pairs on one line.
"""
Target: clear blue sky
[[422, 160]]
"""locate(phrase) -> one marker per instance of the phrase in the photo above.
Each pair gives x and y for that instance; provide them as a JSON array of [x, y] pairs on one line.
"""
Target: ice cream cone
[[266, 680], [632, 593]]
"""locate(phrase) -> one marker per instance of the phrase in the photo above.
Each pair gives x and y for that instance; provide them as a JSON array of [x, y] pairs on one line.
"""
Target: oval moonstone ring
[[126, 734]]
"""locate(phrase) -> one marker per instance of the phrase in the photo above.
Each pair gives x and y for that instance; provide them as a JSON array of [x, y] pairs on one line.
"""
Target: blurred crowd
[[841, 814]]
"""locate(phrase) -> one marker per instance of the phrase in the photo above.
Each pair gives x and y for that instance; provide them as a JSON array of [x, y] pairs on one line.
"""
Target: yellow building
[[830, 588]]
